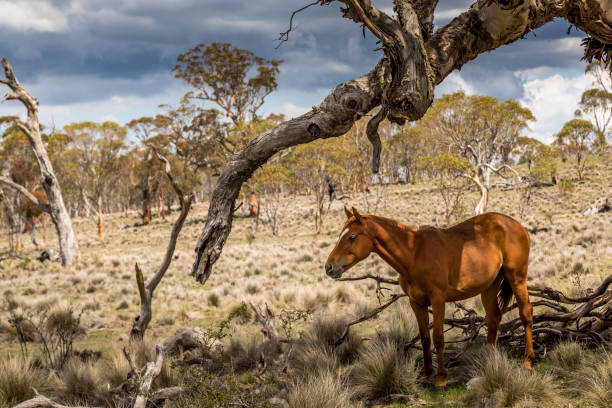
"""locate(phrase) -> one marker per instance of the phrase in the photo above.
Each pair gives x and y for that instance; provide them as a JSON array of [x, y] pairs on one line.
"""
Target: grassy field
[[573, 254]]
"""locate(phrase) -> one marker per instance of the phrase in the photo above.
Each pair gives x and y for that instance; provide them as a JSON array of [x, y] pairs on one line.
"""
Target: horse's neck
[[393, 244]]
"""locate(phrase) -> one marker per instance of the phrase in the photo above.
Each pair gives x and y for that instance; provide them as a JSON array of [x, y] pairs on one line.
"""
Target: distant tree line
[[459, 144]]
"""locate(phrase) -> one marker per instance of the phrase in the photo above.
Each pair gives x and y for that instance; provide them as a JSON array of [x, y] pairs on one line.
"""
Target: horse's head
[[353, 245]]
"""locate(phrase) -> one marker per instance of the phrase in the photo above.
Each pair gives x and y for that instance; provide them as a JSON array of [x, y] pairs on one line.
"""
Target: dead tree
[[141, 322], [68, 246], [415, 61]]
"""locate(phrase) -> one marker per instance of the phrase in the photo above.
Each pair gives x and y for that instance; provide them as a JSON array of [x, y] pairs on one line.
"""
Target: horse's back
[[504, 232]]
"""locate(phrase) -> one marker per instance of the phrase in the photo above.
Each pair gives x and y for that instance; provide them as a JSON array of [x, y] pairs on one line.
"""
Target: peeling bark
[[401, 81]]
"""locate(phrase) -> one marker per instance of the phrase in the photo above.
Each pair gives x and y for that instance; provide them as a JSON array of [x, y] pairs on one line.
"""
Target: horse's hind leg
[[518, 282], [438, 308], [422, 316], [493, 314]]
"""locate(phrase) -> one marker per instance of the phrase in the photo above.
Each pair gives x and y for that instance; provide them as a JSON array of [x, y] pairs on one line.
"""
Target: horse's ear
[[347, 212], [356, 214]]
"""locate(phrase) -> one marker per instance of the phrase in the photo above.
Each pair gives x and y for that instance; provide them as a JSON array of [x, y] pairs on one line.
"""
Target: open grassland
[[570, 252]]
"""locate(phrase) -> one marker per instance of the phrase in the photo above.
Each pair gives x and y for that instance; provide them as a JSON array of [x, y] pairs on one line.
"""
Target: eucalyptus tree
[[596, 105], [482, 130], [416, 59], [577, 138]]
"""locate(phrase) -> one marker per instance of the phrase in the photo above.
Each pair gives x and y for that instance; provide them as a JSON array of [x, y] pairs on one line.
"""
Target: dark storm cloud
[[135, 39]]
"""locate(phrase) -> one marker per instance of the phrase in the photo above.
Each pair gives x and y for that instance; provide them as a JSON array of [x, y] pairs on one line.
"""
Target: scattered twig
[[368, 316], [284, 36]]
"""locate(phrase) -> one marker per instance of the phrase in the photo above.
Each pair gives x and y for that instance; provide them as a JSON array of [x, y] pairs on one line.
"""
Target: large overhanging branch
[[410, 92], [487, 25]]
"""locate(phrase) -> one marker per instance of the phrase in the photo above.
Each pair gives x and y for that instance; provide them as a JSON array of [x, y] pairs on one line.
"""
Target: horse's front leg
[[422, 316], [438, 308]]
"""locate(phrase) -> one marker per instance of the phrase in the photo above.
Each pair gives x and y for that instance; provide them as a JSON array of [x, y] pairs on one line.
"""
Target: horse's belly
[[474, 275]]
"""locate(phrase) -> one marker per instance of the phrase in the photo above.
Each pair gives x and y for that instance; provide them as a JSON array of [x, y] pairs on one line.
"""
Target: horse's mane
[[392, 223]]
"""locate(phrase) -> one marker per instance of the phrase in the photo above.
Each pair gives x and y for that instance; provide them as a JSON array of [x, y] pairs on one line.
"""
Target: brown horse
[[486, 255]]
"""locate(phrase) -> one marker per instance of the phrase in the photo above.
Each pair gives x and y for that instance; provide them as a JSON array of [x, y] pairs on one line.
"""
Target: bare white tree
[[68, 245]]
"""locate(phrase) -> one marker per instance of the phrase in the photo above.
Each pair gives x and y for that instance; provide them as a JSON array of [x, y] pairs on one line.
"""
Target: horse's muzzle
[[332, 272]]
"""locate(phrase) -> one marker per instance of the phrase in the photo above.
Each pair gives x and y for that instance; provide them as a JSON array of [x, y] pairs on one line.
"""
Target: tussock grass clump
[[213, 299], [322, 391], [594, 380], [381, 371], [567, 357], [115, 369], [243, 352], [316, 350], [80, 382], [500, 382], [402, 327], [17, 379]]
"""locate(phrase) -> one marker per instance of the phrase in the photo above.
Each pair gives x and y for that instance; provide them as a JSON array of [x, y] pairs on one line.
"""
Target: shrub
[[321, 391], [213, 299], [17, 377], [500, 382], [381, 371]]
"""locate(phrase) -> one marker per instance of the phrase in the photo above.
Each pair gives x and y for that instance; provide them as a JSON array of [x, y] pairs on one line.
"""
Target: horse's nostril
[[328, 268]]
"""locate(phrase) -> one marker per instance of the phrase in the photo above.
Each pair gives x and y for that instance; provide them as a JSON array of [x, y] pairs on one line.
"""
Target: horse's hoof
[[527, 364], [440, 383]]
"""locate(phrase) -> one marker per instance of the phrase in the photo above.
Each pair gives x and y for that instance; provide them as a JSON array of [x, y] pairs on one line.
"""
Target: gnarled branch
[[487, 25]]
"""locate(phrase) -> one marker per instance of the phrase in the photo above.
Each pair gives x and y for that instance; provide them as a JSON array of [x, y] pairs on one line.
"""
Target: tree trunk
[[100, 224], [146, 199], [415, 60], [162, 209], [68, 246], [484, 183]]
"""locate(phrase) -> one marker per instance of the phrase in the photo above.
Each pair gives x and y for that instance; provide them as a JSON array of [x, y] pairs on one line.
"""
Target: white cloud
[[452, 83], [32, 15], [291, 111], [117, 107], [553, 100]]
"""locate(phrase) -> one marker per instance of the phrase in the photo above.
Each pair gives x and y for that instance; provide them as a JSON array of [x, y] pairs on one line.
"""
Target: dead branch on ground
[[42, 401], [548, 325]]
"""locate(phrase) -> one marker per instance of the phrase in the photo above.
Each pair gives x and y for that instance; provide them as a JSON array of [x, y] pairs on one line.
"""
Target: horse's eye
[[352, 237]]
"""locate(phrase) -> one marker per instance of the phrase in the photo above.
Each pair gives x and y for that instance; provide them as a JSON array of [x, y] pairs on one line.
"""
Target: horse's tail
[[504, 295]]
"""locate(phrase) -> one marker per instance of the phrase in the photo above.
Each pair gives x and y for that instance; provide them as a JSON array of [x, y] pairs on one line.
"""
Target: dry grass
[[381, 371], [594, 381], [79, 383], [573, 254], [324, 390], [17, 378], [500, 382]]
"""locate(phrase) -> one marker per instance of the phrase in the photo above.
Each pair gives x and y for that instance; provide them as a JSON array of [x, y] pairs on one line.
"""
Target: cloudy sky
[[111, 59]]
